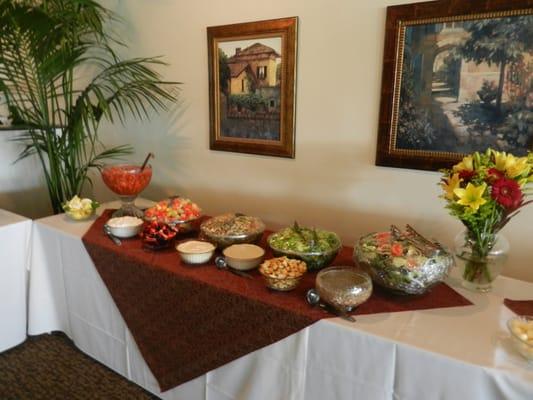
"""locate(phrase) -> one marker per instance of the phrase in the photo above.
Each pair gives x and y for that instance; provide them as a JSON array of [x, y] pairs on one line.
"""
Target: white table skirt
[[15, 234], [454, 353]]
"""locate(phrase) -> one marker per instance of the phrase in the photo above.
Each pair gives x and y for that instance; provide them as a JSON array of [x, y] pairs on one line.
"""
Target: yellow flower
[[511, 165], [500, 159], [517, 166], [466, 164], [472, 196], [450, 185]]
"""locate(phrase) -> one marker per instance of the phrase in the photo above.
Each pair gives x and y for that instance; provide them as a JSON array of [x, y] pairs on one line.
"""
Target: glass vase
[[480, 260]]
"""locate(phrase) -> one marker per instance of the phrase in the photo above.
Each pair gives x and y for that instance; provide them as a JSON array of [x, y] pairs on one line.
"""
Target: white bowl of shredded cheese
[[125, 227], [195, 251]]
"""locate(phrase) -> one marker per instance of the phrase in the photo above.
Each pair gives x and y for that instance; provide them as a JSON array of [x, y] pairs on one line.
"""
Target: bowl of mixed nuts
[[282, 273], [232, 228]]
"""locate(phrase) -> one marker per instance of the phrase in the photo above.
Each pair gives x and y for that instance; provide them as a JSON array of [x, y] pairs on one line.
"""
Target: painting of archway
[[462, 84]]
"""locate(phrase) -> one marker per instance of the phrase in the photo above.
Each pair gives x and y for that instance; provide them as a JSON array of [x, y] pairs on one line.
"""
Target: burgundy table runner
[[188, 320], [520, 307]]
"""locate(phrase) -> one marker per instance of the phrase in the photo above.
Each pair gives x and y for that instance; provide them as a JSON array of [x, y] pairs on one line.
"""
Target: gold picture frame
[[252, 70], [444, 94]]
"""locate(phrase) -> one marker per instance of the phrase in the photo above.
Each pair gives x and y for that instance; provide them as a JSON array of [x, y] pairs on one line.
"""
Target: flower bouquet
[[485, 190]]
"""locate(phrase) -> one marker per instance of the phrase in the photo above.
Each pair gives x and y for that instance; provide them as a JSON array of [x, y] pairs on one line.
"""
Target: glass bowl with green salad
[[317, 247]]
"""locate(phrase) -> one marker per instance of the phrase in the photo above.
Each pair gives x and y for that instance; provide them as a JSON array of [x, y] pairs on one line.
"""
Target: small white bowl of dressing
[[125, 227], [195, 251], [243, 256]]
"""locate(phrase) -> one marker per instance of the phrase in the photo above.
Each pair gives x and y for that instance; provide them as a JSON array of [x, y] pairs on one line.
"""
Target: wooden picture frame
[[252, 76], [443, 93]]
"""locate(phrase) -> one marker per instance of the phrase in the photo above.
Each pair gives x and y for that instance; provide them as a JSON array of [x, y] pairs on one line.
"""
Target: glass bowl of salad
[[317, 247], [401, 262], [179, 213], [227, 229]]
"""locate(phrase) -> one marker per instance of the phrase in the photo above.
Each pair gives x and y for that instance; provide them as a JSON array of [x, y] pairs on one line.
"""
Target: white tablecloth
[[454, 353], [15, 232]]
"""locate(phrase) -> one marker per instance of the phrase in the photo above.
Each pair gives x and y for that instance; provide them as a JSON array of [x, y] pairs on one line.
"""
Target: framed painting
[[252, 69], [457, 78]]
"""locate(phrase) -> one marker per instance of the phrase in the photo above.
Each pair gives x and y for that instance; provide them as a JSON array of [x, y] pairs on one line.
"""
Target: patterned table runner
[[188, 320], [520, 307]]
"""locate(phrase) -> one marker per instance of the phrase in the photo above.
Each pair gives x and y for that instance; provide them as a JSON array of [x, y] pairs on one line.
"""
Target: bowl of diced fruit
[[179, 213], [157, 235]]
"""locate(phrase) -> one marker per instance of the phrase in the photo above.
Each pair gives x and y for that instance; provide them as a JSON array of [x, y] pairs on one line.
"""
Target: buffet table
[[462, 352], [15, 233]]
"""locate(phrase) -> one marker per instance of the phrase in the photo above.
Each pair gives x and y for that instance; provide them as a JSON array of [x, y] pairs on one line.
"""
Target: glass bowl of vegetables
[[179, 213], [403, 262], [317, 247], [227, 229]]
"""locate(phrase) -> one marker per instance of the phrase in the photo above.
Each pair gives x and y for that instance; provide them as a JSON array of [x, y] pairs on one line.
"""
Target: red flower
[[466, 175], [494, 174], [507, 192]]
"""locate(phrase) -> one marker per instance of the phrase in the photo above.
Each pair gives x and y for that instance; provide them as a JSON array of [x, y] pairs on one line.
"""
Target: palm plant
[[61, 76]]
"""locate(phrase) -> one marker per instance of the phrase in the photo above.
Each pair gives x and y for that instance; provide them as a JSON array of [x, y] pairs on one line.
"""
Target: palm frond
[[41, 51]]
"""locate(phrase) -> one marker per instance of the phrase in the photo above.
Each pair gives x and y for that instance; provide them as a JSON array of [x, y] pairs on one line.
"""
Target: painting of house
[[461, 92], [253, 67], [249, 79]]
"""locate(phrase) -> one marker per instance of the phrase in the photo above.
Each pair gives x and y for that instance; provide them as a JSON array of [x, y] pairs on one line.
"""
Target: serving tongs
[[427, 247], [313, 242]]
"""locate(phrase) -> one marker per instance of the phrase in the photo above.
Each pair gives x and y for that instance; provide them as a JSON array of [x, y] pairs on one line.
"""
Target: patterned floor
[[50, 367]]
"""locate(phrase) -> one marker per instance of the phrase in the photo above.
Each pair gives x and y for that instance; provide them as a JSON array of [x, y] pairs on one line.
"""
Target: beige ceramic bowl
[[243, 256], [195, 251]]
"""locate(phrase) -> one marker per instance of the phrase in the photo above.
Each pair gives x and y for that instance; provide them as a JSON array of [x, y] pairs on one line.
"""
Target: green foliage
[[249, 101], [518, 128], [43, 46], [488, 93], [223, 71], [499, 41]]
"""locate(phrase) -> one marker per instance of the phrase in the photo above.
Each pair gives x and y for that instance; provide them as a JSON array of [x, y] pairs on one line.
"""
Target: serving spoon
[[313, 298], [115, 239], [221, 263]]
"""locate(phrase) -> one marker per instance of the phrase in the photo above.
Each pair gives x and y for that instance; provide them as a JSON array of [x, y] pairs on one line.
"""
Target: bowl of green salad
[[317, 247]]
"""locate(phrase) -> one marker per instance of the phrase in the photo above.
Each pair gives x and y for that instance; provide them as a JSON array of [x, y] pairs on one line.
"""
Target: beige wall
[[21, 184], [333, 182]]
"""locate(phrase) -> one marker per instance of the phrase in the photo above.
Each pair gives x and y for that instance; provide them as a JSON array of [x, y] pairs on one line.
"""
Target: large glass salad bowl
[[317, 247], [402, 263], [127, 181]]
